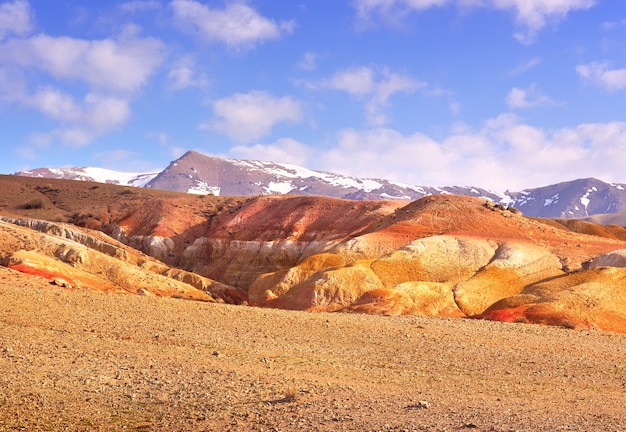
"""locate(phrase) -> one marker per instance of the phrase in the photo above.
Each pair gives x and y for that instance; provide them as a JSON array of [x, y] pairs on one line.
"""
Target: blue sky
[[502, 94]]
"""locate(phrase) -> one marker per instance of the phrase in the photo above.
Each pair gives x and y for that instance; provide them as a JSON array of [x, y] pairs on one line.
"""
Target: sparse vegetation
[[47, 188], [497, 206], [35, 203], [291, 393], [569, 324]]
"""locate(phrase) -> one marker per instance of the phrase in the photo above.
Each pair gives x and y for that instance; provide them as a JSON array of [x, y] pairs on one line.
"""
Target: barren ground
[[78, 360]]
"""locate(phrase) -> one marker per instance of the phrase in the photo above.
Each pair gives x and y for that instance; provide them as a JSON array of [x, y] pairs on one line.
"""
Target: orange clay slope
[[442, 255]]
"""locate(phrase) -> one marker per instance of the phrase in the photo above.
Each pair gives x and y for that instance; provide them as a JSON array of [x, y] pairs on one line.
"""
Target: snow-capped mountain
[[198, 173], [574, 199], [201, 174], [99, 175]]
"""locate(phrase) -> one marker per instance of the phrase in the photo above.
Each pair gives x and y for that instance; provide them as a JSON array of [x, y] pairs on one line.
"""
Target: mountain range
[[207, 175]]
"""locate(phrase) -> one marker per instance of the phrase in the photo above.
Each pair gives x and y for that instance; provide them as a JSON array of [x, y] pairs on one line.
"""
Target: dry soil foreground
[[77, 360]]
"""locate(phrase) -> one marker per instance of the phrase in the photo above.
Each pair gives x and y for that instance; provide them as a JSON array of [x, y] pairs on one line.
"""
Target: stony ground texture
[[85, 361]]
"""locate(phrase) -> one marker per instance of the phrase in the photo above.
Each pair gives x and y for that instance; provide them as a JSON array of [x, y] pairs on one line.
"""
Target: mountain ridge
[[198, 173]]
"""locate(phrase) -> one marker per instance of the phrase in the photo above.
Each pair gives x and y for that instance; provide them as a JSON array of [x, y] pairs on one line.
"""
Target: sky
[[499, 94]]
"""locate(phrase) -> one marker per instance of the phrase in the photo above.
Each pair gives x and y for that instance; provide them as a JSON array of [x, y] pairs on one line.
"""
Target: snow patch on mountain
[[203, 188], [584, 200], [279, 187], [553, 200]]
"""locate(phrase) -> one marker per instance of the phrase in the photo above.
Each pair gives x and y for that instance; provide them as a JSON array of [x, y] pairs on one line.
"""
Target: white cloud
[[375, 87], [15, 18], [308, 61], [366, 8], [356, 81], [285, 150], [505, 153], [122, 65], [185, 75], [177, 151], [249, 116], [526, 66], [530, 15], [81, 121], [599, 73], [12, 84], [29, 153], [125, 160], [612, 25], [113, 158], [455, 107], [385, 153], [135, 6], [534, 15], [237, 25], [530, 97], [161, 137], [113, 69]]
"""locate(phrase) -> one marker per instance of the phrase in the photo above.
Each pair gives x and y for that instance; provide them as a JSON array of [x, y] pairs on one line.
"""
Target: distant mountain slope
[[198, 173], [618, 218], [574, 199], [201, 174], [99, 175]]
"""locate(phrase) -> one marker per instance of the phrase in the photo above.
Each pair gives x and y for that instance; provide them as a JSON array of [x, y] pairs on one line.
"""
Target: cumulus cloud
[[112, 69], [185, 75], [387, 8], [356, 81], [15, 18], [12, 84], [530, 16], [160, 136], [135, 6], [599, 73], [612, 25], [237, 24], [529, 97], [246, 117], [374, 87], [28, 153], [114, 158], [176, 151], [122, 65], [80, 121], [504, 153], [386, 153], [525, 67], [285, 150], [308, 61]]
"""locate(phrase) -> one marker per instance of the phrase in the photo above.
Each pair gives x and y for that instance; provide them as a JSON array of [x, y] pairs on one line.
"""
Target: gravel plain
[[88, 361]]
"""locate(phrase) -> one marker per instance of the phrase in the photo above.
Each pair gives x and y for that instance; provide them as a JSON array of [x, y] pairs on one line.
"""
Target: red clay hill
[[442, 255]]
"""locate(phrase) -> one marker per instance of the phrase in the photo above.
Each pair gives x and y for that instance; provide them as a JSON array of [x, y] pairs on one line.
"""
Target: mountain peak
[[195, 172]]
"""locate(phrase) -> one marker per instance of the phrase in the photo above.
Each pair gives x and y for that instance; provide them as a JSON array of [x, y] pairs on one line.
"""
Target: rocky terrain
[[81, 360], [122, 309], [202, 174], [443, 255]]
